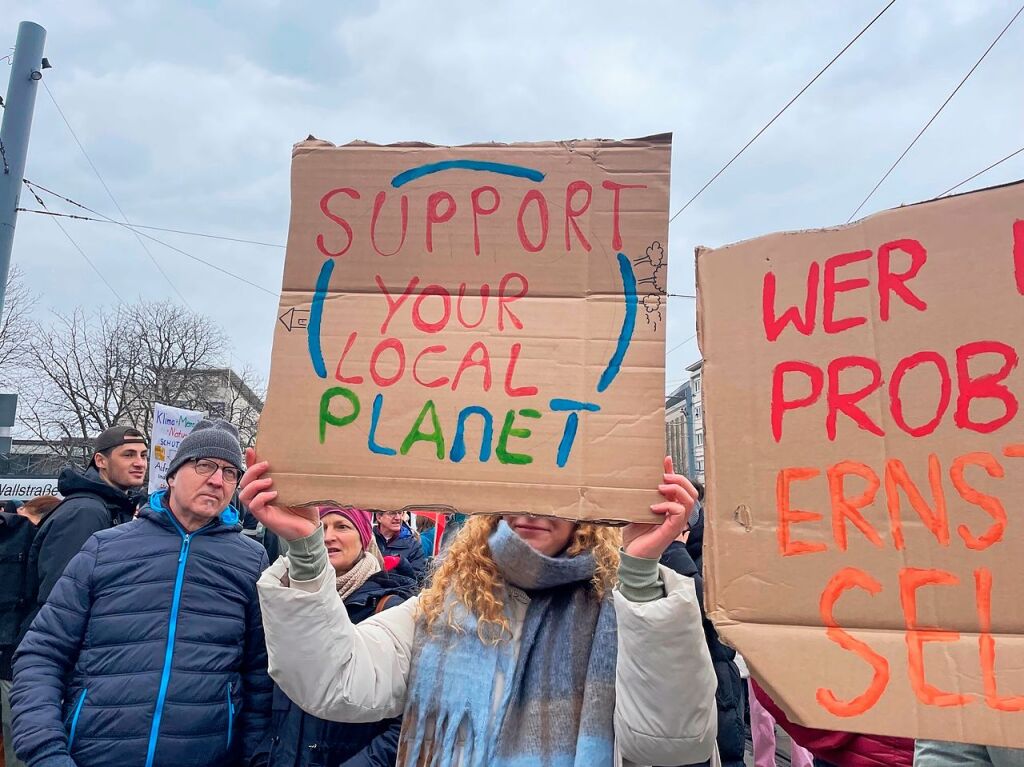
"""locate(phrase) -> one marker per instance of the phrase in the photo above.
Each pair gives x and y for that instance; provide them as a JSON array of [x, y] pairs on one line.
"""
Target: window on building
[[696, 411], [700, 465], [699, 438], [696, 385]]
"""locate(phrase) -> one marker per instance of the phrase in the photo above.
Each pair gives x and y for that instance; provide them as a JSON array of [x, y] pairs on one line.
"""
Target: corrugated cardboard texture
[[557, 290], [923, 524]]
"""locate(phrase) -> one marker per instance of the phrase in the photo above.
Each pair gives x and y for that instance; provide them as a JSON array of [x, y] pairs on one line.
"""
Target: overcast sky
[[190, 116]]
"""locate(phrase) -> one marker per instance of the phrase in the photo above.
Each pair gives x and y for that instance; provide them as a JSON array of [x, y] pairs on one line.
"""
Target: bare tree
[[19, 302], [89, 371]]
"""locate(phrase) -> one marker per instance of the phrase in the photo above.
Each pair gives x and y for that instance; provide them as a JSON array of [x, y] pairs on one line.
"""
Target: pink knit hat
[[362, 520]]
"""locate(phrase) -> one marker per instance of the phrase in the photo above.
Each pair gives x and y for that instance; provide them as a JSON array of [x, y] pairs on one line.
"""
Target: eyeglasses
[[207, 468], [390, 513]]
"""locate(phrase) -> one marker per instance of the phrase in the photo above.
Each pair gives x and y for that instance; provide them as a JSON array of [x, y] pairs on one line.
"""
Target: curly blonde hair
[[470, 573]]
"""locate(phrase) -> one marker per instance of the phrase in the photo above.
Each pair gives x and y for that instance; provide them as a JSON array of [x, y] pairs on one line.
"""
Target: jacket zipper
[[165, 678], [74, 717], [231, 714]]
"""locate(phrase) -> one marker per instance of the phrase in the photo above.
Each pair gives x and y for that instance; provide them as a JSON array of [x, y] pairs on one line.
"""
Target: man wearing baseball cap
[[102, 496], [150, 650]]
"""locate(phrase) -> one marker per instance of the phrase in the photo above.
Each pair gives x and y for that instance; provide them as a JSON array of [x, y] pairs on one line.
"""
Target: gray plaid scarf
[[557, 700]]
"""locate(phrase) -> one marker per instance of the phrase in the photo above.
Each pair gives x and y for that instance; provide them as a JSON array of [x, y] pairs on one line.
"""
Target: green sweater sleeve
[[307, 557], [639, 579]]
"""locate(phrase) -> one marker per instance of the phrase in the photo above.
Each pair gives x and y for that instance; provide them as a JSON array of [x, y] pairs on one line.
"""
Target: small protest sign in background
[[170, 426], [865, 464], [476, 327]]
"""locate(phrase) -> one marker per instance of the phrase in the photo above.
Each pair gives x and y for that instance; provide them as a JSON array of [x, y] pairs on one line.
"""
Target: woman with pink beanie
[[300, 739]]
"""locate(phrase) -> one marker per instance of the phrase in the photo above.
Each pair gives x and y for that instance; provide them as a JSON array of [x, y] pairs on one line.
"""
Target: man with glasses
[[396, 539], [150, 650]]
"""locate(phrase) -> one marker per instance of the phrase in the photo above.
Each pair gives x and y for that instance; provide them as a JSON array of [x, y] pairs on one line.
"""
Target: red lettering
[[510, 389], [399, 349], [572, 213], [846, 579], [945, 391], [912, 579], [534, 195], [839, 402], [337, 372], [773, 326], [790, 516], [485, 292], [844, 508], [324, 203], [986, 386], [896, 282], [504, 300], [779, 403], [987, 503], [834, 287], [937, 521], [442, 380], [446, 313], [987, 646], [378, 204], [393, 305], [468, 361], [435, 216], [480, 210], [616, 188]]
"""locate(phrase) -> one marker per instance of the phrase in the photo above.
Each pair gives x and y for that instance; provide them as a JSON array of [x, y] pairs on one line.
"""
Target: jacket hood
[[71, 480], [157, 511]]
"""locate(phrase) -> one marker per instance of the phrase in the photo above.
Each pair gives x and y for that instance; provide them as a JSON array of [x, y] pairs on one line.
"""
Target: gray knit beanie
[[211, 438]]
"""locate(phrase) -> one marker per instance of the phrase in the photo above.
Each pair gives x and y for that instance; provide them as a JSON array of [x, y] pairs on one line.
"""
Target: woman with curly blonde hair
[[541, 641]]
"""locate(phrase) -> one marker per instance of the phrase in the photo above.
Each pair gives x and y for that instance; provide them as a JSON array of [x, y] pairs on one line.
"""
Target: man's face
[[125, 467], [390, 523], [196, 494]]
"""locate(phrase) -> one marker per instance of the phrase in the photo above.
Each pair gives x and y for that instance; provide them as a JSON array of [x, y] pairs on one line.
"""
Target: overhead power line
[[781, 111], [684, 341], [80, 251], [34, 186], [980, 172], [937, 113], [110, 194], [108, 220]]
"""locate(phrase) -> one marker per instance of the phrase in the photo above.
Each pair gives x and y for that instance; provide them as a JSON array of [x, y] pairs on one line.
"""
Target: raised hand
[[650, 540], [290, 523]]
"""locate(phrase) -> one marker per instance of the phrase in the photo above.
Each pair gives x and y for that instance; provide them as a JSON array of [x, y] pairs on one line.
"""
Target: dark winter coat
[[729, 696], [89, 505], [16, 533], [149, 653], [302, 740], [407, 546]]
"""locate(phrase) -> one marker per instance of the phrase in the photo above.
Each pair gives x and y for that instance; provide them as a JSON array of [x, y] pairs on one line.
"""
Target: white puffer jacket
[[665, 683]]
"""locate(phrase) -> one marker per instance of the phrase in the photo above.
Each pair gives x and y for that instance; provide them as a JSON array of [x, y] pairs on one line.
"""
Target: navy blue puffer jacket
[[149, 652]]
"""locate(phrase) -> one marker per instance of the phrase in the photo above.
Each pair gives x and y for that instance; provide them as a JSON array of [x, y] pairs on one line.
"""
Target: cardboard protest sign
[[479, 328], [170, 426], [865, 458]]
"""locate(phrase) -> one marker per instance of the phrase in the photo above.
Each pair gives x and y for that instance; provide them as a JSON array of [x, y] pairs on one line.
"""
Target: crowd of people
[[206, 625]]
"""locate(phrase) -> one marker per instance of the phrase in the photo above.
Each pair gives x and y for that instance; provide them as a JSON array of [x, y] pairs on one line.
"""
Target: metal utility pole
[[26, 72]]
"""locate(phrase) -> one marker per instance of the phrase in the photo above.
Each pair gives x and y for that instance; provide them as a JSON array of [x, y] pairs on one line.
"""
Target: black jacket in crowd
[[687, 559], [89, 505], [16, 534], [302, 740]]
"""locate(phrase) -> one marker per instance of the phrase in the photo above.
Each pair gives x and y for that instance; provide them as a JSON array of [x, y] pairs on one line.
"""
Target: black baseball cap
[[116, 436]]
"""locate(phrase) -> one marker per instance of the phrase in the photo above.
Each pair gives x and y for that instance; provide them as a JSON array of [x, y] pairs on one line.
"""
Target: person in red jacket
[[842, 749]]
